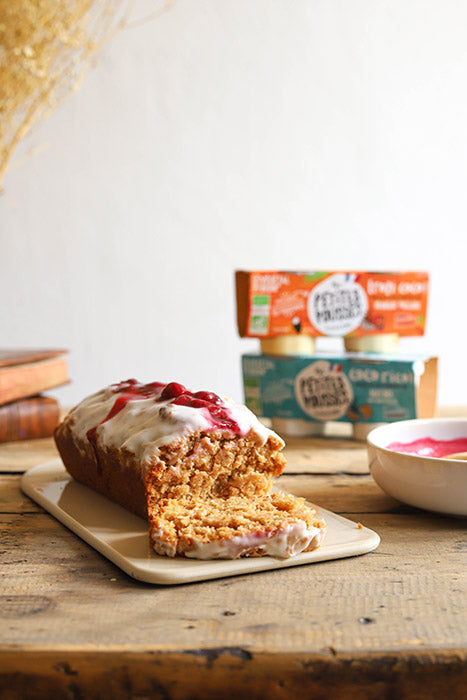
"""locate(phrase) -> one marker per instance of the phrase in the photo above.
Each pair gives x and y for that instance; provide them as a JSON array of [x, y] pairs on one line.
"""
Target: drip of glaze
[[129, 390], [172, 393]]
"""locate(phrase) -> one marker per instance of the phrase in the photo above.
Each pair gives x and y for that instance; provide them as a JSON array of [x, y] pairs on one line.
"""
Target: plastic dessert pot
[[294, 427], [287, 345], [381, 343]]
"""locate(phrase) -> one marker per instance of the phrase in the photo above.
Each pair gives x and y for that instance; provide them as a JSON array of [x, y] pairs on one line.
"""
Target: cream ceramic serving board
[[123, 537]]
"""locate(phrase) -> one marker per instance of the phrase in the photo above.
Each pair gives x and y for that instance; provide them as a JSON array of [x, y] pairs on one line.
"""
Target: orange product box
[[272, 303]]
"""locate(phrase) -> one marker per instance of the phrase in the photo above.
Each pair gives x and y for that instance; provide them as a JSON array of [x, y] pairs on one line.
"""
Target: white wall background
[[239, 134]]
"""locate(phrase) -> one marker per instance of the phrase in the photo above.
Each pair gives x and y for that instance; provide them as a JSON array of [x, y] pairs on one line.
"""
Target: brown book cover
[[36, 417], [25, 378], [20, 356]]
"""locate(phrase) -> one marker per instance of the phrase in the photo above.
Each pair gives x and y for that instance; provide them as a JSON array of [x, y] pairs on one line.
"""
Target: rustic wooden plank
[[325, 455], [12, 499], [408, 595], [342, 493], [23, 454], [230, 673]]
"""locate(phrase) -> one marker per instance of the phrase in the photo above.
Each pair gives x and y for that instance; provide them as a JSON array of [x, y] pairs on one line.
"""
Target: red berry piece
[[183, 400], [217, 412], [208, 396], [172, 390], [188, 400], [199, 403]]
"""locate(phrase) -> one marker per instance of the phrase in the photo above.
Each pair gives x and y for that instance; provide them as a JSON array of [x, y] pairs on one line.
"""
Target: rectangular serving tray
[[123, 537]]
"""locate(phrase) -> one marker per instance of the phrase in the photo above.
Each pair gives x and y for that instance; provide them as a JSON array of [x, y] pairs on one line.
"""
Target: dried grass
[[46, 48]]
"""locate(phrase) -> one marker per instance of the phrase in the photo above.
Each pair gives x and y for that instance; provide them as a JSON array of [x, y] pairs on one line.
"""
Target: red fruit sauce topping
[[427, 447], [174, 393]]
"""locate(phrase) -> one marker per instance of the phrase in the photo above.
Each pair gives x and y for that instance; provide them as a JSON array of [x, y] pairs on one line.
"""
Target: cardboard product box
[[349, 388], [355, 303]]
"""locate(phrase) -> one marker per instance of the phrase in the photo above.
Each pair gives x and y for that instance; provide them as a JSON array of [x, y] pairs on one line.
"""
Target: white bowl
[[433, 483]]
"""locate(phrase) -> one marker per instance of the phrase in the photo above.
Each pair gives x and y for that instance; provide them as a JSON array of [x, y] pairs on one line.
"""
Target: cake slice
[[280, 525], [198, 466]]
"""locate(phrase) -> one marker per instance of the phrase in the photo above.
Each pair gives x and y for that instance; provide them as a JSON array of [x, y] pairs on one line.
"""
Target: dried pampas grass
[[46, 48]]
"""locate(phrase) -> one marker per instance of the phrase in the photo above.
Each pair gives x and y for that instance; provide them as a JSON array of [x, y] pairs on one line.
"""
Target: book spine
[[22, 381], [35, 417]]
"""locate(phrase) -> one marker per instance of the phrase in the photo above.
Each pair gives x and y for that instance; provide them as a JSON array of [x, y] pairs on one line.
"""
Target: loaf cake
[[199, 467]]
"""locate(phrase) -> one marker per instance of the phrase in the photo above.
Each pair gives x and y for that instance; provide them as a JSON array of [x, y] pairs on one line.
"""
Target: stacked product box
[[368, 384]]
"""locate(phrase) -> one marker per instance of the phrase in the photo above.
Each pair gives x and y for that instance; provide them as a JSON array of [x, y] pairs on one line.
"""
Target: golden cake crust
[[112, 472]]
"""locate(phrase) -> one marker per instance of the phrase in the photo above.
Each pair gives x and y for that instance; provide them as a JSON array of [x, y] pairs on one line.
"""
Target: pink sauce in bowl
[[427, 447], [411, 460]]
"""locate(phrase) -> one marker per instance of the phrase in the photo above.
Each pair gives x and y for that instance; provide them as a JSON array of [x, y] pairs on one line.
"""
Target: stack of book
[[24, 375]]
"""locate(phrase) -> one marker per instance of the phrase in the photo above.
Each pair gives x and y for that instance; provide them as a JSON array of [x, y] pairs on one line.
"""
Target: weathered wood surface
[[230, 673], [408, 595], [19, 456], [390, 624]]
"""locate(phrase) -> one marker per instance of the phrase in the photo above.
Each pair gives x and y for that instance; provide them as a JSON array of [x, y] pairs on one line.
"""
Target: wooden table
[[390, 624]]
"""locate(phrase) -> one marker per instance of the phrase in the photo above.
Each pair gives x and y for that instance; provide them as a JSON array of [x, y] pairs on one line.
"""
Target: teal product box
[[351, 388]]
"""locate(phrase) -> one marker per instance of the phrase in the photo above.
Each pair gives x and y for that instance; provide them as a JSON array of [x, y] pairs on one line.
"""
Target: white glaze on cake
[[144, 425], [281, 543]]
